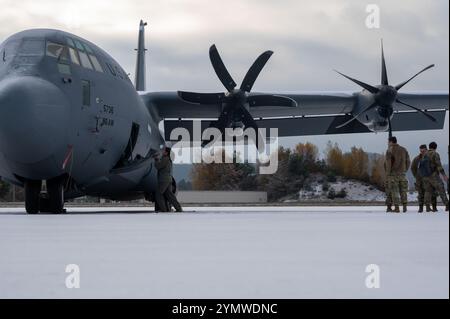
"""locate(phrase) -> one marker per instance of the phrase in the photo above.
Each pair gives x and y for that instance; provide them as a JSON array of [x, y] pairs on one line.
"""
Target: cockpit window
[[58, 51], [96, 64], [85, 60], [74, 56]]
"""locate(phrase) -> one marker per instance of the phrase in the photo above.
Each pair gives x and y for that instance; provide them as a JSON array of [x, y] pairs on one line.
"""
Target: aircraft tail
[[139, 80]]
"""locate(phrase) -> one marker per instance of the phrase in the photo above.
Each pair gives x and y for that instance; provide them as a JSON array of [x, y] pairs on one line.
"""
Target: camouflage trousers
[[396, 190], [420, 188], [433, 184]]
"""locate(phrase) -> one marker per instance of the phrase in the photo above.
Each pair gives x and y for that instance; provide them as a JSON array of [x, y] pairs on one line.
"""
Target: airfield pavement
[[225, 252]]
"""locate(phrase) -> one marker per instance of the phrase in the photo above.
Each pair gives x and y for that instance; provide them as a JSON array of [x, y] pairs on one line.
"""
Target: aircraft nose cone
[[33, 117]]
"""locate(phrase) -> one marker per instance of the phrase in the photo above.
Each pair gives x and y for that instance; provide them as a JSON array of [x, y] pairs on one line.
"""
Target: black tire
[[44, 203], [55, 191], [32, 191]]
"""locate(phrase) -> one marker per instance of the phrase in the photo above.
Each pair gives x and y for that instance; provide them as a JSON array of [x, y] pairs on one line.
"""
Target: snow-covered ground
[[355, 190], [236, 252]]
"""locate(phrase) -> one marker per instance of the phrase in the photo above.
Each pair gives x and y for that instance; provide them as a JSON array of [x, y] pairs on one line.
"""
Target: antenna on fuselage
[[139, 80]]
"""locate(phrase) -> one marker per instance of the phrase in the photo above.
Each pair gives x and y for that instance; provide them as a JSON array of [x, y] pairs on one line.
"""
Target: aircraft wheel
[[44, 203], [55, 191], [32, 191]]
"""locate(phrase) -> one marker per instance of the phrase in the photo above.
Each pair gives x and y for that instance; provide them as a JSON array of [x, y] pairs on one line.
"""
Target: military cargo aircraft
[[70, 116]]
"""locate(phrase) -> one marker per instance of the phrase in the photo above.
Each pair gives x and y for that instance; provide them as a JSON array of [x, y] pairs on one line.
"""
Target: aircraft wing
[[317, 113], [424, 100]]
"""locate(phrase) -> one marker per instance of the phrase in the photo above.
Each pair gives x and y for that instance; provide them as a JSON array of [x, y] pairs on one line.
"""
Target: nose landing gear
[[50, 202]]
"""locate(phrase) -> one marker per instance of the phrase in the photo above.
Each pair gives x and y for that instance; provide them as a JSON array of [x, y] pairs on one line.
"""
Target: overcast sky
[[310, 39]]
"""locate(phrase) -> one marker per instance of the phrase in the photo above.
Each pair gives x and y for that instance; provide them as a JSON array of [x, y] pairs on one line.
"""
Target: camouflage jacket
[[164, 167], [436, 165], [415, 166], [397, 160]]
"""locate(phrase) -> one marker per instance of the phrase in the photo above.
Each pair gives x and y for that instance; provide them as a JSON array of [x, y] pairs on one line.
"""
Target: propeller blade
[[255, 69], [384, 77], [357, 115], [249, 121], [222, 122], [220, 69], [201, 98], [271, 100], [417, 109], [399, 86], [366, 86]]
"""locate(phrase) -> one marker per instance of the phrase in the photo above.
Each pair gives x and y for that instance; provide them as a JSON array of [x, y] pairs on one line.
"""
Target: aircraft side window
[[85, 60], [57, 51], [96, 64], [74, 56], [86, 92]]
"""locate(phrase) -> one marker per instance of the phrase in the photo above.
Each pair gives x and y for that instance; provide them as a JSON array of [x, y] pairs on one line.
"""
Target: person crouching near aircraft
[[432, 170], [397, 164], [418, 170], [164, 192]]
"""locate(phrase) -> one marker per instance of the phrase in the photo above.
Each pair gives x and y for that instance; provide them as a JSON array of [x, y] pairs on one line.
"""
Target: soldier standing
[[397, 163], [164, 192], [416, 169], [432, 170]]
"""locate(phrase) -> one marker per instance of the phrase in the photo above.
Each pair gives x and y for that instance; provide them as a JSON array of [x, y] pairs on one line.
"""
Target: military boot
[[420, 208], [428, 208], [405, 208], [397, 209], [446, 208], [434, 208], [389, 209]]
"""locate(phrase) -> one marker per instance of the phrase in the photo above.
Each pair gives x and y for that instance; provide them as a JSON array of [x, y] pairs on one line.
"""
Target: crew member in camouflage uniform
[[388, 202], [433, 182], [164, 191], [419, 184], [397, 164]]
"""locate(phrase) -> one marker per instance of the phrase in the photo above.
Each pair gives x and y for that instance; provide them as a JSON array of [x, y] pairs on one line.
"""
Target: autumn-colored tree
[[227, 175], [307, 150], [353, 164], [360, 164], [378, 175], [334, 158]]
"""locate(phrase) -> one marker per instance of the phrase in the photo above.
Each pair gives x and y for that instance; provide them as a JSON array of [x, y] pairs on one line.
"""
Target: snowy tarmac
[[225, 252]]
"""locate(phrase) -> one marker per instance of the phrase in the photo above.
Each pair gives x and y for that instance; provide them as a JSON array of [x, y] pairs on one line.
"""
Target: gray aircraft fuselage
[[68, 108]]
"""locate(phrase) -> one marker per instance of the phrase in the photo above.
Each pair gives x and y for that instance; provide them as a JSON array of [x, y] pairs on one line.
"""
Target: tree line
[[295, 167]]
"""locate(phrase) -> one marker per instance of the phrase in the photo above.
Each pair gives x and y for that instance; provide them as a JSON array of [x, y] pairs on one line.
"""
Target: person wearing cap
[[418, 170], [396, 165], [433, 181]]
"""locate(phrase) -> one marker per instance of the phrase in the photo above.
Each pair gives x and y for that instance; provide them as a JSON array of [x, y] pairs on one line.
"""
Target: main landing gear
[[50, 202]]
